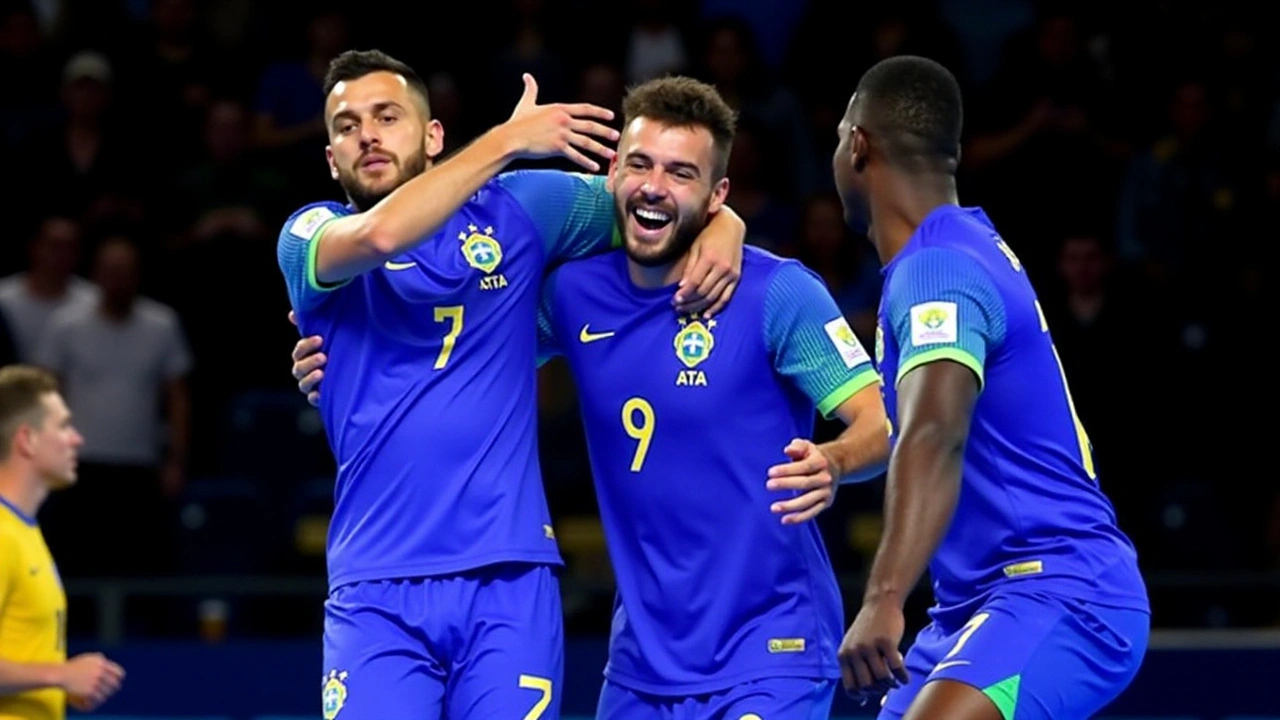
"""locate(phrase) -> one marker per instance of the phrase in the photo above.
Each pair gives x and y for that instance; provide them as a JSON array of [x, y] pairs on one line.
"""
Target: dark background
[[1127, 151]]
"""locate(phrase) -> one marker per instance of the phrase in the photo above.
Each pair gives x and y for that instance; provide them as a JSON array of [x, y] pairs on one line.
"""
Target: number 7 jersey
[[428, 394], [1030, 508]]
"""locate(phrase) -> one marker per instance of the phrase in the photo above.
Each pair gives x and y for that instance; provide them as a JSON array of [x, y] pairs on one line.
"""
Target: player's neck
[[907, 200], [658, 276], [18, 489]]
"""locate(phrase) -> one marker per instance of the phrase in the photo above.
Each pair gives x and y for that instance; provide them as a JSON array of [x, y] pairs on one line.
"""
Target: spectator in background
[[117, 360], [29, 299]]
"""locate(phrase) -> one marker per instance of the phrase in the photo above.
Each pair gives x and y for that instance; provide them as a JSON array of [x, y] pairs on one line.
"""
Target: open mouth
[[651, 219]]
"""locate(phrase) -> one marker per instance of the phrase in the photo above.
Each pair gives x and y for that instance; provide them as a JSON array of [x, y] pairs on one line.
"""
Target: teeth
[[653, 215]]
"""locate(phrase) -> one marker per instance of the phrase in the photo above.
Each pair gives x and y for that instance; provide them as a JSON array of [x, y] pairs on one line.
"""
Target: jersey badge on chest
[[484, 253], [693, 345]]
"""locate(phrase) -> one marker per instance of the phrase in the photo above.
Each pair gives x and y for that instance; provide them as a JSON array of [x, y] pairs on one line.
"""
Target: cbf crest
[[693, 345], [333, 694], [484, 253]]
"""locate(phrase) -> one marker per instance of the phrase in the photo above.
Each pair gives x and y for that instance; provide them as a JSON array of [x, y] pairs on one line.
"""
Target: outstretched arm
[[354, 244]]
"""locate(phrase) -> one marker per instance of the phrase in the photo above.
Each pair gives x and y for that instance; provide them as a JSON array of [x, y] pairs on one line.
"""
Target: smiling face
[[379, 136], [664, 188]]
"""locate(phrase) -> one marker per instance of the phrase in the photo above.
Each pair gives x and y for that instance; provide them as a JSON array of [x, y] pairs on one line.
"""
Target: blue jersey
[[1030, 509], [428, 396], [683, 418]]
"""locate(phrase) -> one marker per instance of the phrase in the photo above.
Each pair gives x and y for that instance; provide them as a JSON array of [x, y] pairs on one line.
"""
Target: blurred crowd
[[156, 146]]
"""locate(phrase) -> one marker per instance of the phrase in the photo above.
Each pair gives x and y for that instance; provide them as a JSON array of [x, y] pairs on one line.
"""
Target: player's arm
[[90, 678], [354, 244], [813, 347], [575, 216], [947, 316]]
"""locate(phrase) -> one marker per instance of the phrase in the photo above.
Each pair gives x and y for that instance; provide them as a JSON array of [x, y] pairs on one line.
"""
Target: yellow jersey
[[33, 613]]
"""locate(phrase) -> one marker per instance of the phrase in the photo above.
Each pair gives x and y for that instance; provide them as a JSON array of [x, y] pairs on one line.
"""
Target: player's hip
[[775, 698], [1020, 648], [1115, 581]]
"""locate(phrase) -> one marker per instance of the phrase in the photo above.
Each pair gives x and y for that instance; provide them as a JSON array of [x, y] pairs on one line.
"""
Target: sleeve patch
[[306, 224], [846, 343], [934, 323]]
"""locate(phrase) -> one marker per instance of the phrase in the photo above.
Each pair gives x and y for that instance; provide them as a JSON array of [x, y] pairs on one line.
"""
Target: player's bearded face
[[660, 231], [377, 172]]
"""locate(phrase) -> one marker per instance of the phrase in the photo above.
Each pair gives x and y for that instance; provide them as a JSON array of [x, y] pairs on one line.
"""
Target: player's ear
[[434, 140], [719, 191], [333, 167], [24, 440], [859, 148]]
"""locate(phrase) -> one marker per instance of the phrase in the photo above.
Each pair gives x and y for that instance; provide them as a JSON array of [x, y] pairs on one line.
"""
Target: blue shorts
[[487, 643], [1035, 655], [771, 699]]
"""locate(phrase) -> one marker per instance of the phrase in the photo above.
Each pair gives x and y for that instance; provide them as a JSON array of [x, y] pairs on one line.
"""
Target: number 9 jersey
[[1030, 509]]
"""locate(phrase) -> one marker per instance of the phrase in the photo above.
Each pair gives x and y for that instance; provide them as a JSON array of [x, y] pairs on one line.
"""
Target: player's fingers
[[879, 669], [803, 502], [716, 277], [529, 96], [898, 667], [808, 506], [578, 158], [723, 300], [313, 398], [585, 142], [308, 365], [310, 381], [587, 110], [717, 293], [115, 670], [794, 476], [306, 346], [293, 318], [861, 672], [594, 129]]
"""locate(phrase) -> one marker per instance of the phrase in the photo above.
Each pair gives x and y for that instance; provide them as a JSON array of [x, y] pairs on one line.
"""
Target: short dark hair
[[355, 64], [915, 104], [684, 102], [22, 389]]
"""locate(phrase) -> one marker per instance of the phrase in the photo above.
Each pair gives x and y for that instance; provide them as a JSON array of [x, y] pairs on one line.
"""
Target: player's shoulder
[[764, 269], [304, 222]]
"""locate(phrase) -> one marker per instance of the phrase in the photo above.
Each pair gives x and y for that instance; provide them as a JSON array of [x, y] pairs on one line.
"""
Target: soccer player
[[38, 456], [1040, 608], [442, 560], [722, 611]]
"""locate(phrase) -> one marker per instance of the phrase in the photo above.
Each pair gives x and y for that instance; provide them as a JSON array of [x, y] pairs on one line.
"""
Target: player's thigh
[[622, 703], [374, 666], [771, 699], [512, 664], [1034, 656], [928, 647], [1083, 664]]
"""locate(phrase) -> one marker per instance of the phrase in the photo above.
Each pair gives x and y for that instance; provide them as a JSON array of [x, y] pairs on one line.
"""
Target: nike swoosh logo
[[587, 336], [399, 266], [949, 663]]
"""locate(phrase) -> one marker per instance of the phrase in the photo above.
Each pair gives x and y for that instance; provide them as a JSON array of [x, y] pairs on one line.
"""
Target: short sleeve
[[943, 305], [811, 342], [296, 253]]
